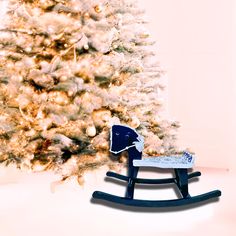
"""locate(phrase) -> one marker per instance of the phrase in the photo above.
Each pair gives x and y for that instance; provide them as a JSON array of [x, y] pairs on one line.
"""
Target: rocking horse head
[[123, 138]]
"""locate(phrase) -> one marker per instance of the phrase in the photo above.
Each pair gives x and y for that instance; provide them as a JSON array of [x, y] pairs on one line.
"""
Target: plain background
[[196, 46]]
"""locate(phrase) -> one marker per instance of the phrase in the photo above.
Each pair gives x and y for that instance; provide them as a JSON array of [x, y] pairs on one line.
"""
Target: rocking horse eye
[[117, 134], [126, 137]]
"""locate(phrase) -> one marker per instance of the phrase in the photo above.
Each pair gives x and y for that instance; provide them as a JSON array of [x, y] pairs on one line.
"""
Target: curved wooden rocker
[[124, 138]]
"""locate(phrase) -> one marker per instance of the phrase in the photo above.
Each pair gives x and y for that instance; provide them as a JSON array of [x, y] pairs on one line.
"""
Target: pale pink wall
[[195, 47]]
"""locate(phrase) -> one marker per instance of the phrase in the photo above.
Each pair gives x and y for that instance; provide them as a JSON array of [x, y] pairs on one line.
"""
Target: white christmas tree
[[69, 69]]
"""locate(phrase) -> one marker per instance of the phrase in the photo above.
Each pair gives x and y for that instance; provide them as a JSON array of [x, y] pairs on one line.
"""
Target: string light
[[86, 46], [98, 8]]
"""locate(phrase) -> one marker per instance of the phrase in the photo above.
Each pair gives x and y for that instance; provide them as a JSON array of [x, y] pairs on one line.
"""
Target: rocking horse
[[124, 138]]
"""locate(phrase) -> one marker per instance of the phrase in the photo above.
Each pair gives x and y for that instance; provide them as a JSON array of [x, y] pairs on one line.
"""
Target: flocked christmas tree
[[69, 69]]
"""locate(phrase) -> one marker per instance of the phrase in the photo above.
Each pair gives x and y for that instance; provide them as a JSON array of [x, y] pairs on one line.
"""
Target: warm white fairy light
[[86, 46], [98, 8], [91, 131]]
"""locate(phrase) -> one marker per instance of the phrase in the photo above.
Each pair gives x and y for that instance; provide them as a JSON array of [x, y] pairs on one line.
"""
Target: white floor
[[35, 205]]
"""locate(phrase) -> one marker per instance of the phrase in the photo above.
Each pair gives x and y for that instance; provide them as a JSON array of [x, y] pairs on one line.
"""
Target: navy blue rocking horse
[[124, 138]]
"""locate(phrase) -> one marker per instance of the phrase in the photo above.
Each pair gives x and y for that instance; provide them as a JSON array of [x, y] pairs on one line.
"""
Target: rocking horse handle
[[188, 156]]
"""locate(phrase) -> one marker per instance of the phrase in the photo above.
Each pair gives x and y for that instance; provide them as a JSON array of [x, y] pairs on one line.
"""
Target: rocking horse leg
[[182, 181], [133, 172]]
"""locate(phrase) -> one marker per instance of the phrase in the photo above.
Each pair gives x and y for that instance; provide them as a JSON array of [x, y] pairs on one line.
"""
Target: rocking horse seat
[[178, 161]]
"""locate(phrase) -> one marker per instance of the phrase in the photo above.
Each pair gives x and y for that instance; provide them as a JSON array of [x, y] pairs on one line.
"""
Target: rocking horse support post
[[181, 176], [132, 171], [124, 138]]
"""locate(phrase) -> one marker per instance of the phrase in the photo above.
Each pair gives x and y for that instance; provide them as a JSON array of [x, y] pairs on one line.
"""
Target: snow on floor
[[34, 204]]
